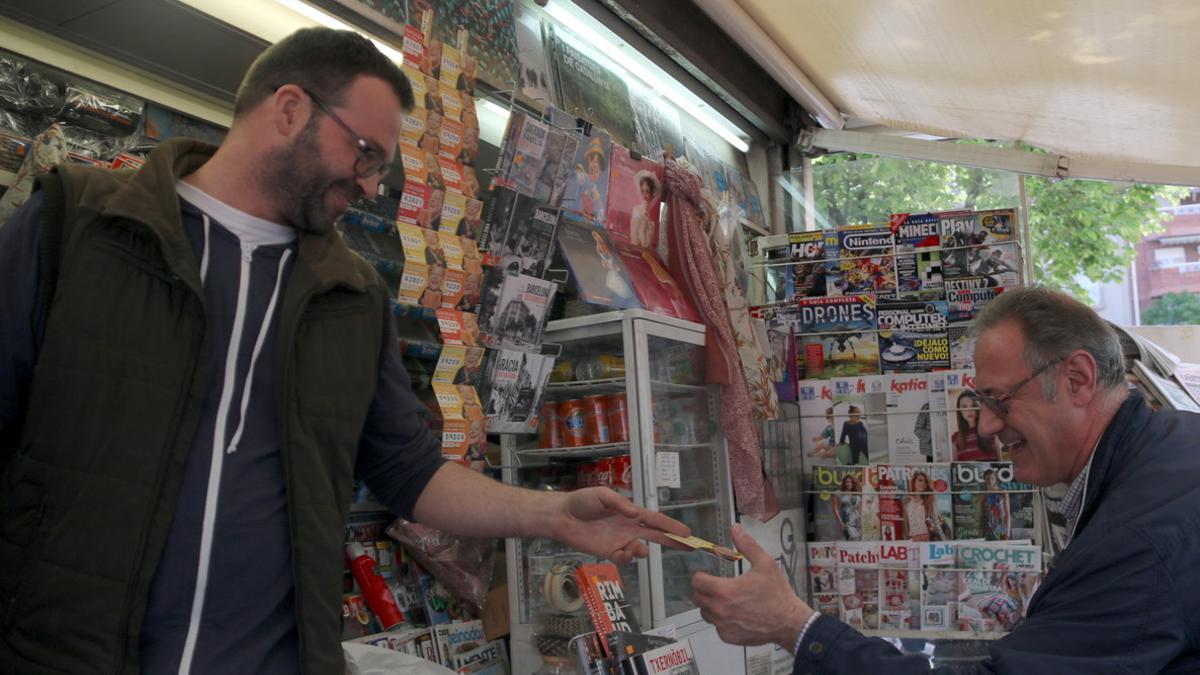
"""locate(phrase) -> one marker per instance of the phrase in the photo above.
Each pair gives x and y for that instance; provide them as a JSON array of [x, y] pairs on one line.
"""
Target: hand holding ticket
[[698, 544]]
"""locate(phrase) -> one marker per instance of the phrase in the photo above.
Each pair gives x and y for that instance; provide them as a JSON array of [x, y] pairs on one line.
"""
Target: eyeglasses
[[999, 404], [371, 160]]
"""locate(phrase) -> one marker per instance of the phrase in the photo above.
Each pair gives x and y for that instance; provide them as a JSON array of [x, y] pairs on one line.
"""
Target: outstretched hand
[[600, 522], [756, 608]]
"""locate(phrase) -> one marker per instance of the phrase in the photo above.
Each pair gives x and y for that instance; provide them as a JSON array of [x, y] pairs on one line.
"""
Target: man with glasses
[[194, 368], [1123, 596]]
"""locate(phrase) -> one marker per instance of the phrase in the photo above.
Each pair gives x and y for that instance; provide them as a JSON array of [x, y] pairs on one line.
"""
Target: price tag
[[668, 469]]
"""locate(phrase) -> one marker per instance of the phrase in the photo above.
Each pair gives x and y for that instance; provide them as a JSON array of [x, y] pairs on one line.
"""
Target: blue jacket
[[1124, 597]]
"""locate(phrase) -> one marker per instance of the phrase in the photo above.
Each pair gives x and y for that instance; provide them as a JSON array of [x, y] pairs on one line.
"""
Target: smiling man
[[193, 369], [1124, 595]]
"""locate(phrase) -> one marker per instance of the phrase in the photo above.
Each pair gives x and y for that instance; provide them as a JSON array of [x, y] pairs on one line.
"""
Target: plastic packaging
[[374, 589]]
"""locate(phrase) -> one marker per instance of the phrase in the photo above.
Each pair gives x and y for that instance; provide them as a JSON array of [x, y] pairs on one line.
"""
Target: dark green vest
[[86, 503]]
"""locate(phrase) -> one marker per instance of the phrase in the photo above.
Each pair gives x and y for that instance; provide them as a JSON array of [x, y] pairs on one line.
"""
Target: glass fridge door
[[683, 461]]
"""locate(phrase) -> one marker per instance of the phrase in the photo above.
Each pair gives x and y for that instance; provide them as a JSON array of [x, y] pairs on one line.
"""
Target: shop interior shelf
[[581, 452], [679, 506], [675, 447], [657, 385]]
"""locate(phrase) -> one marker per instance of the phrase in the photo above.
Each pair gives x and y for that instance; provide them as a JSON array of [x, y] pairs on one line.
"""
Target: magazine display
[[838, 336], [604, 596], [596, 267], [868, 260], [805, 278], [977, 587], [990, 504], [778, 325], [656, 123], [912, 336], [513, 390], [673, 659], [655, 286], [529, 243], [818, 428], [542, 159], [918, 256], [534, 76], [635, 195], [586, 189], [513, 310]]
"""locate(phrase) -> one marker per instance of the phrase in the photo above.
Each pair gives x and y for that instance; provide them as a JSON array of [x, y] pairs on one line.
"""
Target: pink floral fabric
[[690, 222]]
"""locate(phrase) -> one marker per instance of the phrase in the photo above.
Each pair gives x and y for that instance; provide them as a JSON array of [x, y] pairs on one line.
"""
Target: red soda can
[[623, 475], [550, 432], [618, 418], [571, 417], [596, 416], [604, 472]]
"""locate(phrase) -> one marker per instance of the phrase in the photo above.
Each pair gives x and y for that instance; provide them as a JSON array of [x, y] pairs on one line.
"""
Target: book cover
[[453, 139], [837, 502], [778, 335], [655, 287], [818, 426], [860, 416], [556, 167], [822, 578], [597, 92], [508, 206], [962, 406], [529, 243], [867, 260], [990, 504], [513, 312], [996, 582], [604, 596], [456, 638], [899, 586], [805, 278], [599, 274], [529, 155], [513, 391], [980, 244], [966, 296], [858, 583], [838, 336], [586, 189], [918, 256], [912, 336], [459, 364], [939, 586], [415, 202], [534, 74], [634, 198], [909, 421]]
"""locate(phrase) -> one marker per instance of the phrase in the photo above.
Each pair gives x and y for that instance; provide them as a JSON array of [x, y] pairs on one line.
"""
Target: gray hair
[[1054, 324]]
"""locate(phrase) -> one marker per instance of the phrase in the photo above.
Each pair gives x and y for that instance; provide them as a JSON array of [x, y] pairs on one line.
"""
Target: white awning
[[1102, 82]]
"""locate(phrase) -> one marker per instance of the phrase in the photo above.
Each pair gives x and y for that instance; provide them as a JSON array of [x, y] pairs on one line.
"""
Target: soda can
[[609, 366], [596, 416], [618, 418], [605, 473], [623, 475], [550, 431], [572, 418]]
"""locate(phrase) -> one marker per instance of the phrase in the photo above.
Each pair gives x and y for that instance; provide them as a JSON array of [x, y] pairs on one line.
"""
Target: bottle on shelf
[[375, 590]]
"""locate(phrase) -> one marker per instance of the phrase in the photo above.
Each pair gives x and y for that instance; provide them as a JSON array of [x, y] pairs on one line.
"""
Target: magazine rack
[[678, 465]]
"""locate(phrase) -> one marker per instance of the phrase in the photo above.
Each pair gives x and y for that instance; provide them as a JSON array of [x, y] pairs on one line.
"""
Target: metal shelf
[[581, 452], [609, 385], [672, 447], [673, 387], [680, 506]]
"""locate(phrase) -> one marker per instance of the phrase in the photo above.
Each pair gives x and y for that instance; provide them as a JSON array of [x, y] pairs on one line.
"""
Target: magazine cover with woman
[[962, 406], [596, 267], [635, 195]]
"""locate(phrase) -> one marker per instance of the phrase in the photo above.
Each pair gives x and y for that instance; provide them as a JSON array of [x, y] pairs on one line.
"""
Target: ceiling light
[[330, 21]]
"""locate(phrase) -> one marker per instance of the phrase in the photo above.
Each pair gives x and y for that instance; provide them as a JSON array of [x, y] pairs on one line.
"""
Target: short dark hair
[[323, 61], [1054, 324]]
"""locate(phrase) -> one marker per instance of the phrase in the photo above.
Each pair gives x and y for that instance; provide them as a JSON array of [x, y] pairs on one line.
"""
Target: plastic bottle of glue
[[375, 590]]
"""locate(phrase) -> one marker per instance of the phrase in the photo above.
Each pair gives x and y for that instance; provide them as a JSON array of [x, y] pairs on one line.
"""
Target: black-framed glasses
[[999, 404], [371, 160]]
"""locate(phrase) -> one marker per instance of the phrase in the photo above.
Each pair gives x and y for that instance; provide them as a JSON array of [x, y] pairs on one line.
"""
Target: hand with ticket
[[601, 522], [756, 608]]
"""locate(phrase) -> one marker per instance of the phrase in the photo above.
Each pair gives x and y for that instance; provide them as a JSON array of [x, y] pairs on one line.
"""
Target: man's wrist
[[793, 626]]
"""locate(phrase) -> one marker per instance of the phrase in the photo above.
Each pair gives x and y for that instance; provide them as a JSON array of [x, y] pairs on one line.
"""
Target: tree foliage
[[1173, 309], [1079, 228]]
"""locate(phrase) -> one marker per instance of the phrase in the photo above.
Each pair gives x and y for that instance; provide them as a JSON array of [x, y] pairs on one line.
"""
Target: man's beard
[[295, 179]]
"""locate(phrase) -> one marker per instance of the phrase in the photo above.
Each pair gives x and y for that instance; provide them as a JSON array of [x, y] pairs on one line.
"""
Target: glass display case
[[663, 447]]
